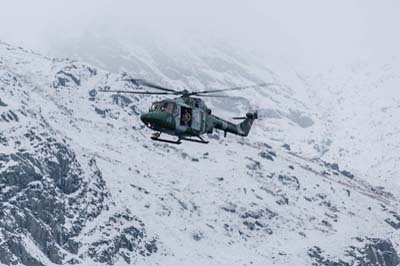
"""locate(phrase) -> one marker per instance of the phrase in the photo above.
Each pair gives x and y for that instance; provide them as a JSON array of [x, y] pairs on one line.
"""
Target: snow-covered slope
[[344, 113], [81, 183], [362, 106], [195, 64]]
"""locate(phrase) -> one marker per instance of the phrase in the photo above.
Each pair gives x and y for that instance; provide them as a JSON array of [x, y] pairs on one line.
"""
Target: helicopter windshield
[[163, 107], [168, 107], [154, 107]]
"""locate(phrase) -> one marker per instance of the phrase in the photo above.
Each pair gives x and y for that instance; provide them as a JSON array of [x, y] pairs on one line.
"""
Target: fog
[[309, 31]]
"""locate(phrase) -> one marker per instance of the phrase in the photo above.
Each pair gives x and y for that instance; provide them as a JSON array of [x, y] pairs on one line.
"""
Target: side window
[[186, 116], [197, 103]]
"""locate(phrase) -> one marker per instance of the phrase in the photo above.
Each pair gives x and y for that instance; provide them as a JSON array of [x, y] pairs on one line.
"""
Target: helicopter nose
[[158, 120], [149, 120], [145, 118]]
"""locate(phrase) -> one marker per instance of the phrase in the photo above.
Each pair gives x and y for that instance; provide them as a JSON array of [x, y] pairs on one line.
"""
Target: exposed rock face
[[47, 198], [375, 252], [55, 206]]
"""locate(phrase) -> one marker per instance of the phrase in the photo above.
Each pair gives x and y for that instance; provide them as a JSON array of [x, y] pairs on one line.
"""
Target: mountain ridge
[[122, 199]]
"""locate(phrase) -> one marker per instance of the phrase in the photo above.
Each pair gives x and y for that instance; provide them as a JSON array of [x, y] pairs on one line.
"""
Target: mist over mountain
[[83, 184], [339, 109], [316, 182]]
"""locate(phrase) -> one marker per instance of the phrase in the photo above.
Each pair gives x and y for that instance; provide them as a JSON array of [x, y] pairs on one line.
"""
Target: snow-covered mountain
[[81, 183], [342, 113], [195, 64], [361, 107]]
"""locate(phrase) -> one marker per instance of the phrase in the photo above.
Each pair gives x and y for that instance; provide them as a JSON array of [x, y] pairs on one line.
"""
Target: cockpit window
[[154, 107], [163, 107], [168, 107]]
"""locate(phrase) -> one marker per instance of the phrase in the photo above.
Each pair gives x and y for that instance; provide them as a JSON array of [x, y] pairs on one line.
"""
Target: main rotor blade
[[140, 92], [217, 96], [232, 89], [150, 85]]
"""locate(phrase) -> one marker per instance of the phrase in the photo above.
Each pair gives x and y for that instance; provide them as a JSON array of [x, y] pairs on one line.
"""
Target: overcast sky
[[307, 29]]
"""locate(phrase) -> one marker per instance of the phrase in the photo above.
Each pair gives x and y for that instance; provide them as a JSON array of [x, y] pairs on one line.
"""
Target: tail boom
[[241, 129]]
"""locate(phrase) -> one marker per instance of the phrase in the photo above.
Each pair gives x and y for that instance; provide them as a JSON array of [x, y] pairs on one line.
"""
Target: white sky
[[296, 30]]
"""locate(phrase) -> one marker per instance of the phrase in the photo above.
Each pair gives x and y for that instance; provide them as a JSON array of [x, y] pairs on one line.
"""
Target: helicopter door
[[186, 117], [196, 120]]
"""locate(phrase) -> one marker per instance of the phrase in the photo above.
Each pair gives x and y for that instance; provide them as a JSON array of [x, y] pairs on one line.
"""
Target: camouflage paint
[[170, 123]]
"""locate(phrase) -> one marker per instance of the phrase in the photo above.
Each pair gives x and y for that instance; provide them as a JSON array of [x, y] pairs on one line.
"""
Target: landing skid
[[199, 140], [156, 137], [167, 140]]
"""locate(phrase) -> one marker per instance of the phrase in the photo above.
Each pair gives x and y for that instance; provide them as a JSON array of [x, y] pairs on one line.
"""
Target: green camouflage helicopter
[[187, 117]]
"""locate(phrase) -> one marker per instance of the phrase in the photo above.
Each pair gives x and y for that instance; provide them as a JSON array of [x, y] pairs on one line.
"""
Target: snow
[[182, 193]]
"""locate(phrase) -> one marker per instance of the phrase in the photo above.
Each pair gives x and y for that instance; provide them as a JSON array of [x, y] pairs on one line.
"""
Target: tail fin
[[245, 126]]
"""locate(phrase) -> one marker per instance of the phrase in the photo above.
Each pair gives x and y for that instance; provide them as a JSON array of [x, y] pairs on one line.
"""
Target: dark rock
[[69, 77], [290, 181], [376, 252], [320, 260], [335, 168], [2, 104], [286, 146], [393, 221], [3, 140], [268, 146], [128, 243], [380, 252], [92, 71], [14, 116], [347, 174], [102, 112], [266, 156], [4, 118], [255, 165], [230, 208], [61, 170], [73, 261], [197, 236], [251, 226], [16, 247], [283, 200], [37, 204], [258, 214]]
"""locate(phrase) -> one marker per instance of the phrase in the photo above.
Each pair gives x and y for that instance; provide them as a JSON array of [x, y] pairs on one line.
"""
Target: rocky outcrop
[[374, 252], [48, 197]]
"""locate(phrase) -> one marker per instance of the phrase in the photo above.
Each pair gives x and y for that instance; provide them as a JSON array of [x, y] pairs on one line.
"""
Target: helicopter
[[187, 117]]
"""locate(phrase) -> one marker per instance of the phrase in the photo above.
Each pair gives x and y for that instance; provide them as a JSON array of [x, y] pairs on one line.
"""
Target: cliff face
[[81, 183], [55, 204]]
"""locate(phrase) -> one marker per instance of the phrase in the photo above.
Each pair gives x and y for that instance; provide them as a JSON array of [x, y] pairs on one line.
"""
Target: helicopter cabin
[[187, 115]]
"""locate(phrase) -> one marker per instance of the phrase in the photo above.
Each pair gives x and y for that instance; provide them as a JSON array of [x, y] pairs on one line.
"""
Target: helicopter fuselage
[[182, 116], [190, 117]]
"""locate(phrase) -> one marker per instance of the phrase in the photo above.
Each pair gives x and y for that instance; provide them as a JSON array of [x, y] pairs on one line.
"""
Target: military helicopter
[[187, 117]]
